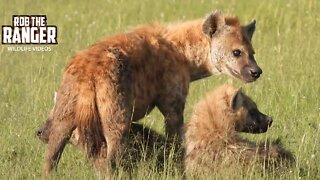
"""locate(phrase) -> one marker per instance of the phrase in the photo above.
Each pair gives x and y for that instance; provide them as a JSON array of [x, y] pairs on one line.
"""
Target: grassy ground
[[286, 43]]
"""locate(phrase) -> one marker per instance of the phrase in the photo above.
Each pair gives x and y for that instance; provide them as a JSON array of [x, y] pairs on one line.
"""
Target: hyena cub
[[211, 137]]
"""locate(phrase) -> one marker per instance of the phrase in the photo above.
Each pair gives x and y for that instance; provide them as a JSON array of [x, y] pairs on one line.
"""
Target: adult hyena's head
[[248, 117], [44, 131], [231, 50]]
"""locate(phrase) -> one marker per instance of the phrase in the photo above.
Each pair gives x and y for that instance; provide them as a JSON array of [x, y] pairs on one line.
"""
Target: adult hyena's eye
[[236, 53]]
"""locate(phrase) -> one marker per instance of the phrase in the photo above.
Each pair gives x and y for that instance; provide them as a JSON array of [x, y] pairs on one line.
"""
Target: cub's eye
[[236, 53]]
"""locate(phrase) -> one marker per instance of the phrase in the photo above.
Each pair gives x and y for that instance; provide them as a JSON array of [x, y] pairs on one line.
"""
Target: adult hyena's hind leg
[[115, 113]]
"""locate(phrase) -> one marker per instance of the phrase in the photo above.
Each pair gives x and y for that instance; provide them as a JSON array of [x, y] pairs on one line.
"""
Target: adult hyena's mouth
[[234, 73]]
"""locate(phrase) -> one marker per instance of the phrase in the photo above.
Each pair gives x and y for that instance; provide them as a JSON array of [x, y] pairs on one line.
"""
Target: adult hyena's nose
[[255, 72], [39, 132]]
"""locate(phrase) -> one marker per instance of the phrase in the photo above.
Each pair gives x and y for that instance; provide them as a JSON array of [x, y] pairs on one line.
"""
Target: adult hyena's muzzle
[[255, 72], [44, 131], [250, 73]]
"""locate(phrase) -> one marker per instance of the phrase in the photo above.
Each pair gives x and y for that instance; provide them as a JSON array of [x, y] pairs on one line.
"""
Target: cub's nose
[[255, 72]]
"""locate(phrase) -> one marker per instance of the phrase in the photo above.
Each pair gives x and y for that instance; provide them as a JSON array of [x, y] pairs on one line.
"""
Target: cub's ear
[[213, 22], [250, 28], [237, 99]]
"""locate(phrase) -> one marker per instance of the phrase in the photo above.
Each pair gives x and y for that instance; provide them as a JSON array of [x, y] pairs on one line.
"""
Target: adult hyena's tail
[[88, 120]]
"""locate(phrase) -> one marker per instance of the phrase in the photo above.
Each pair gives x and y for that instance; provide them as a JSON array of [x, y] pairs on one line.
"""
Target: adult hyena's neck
[[194, 46]]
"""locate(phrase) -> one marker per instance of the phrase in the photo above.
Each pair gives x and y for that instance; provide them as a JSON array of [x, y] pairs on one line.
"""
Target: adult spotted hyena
[[211, 136], [122, 78]]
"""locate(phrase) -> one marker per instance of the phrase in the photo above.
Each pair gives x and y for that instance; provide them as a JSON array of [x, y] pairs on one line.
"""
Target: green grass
[[287, 49]]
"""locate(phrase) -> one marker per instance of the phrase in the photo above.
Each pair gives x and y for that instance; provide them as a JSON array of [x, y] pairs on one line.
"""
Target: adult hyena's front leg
[[171, 104]]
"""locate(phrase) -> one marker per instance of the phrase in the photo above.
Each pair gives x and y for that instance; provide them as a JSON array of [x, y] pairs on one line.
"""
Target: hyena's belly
[[144, 95], [141, 111]]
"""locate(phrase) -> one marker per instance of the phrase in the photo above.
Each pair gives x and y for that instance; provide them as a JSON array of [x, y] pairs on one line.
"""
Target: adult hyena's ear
[[213, 22], [237, 99], [250, 28]]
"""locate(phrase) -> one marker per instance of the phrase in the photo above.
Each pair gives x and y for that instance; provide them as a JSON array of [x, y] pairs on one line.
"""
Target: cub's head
[[246, 114], [231, 50]]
